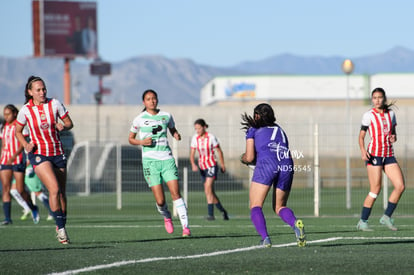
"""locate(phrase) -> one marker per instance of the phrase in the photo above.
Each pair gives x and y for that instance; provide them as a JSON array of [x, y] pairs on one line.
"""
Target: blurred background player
[[205, 144], [35, 187], [12, 164], [380, 121], [158, 163], [268, 145]]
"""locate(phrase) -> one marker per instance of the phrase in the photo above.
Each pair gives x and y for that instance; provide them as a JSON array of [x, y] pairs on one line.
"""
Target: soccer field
[[133, 241]]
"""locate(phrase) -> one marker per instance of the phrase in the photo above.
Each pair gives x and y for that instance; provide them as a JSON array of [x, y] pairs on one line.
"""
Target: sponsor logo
[[44, 126]]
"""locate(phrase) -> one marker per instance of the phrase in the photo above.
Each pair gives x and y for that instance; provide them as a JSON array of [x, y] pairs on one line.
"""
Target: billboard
[[65, 28]]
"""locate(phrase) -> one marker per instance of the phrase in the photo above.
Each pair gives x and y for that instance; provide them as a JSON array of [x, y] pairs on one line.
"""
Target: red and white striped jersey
[[41, 121], [10, 144], [380, 127], [205, 146]]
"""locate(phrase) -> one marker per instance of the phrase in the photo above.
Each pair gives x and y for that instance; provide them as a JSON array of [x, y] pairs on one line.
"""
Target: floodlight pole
[[66, 82], [347, 68]]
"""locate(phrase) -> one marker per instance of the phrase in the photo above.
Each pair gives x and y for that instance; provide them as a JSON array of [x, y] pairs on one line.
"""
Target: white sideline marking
[[147, 260]]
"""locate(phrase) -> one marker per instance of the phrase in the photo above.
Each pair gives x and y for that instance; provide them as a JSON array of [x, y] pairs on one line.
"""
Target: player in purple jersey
[[268, 146]]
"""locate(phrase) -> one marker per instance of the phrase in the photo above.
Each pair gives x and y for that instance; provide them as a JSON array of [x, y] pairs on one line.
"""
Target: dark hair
[[2, 122], [263, 115], [201, 122], [29, 83], [385, 106], [145, 93], [13, 109]]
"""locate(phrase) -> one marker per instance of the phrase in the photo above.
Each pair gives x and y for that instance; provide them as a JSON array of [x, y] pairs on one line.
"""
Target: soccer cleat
[[186, 232], [210, 218], [25, 215], [35, 215], [388, 222], [49, 218], [363, 226], [6, 222], [62, 236], [266, 242], [225, 216], [300, 233], [169, 227]]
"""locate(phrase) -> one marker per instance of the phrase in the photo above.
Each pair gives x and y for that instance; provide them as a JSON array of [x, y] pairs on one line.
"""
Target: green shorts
[[33, 183], [157, 171]]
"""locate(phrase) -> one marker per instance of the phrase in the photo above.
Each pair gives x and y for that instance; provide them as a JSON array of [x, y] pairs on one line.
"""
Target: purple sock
[[287, 215], [259, 222]]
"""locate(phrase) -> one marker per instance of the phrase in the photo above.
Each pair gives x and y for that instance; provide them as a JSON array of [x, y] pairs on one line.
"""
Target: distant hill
[[177, 81]]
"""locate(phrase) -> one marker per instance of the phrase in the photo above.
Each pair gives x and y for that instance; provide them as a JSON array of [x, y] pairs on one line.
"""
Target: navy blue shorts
[[57, 161], [21, 167], [380, 161], [210, 172]]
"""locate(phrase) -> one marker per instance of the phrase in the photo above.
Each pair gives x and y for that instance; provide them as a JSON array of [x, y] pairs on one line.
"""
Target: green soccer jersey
[[155, 126]]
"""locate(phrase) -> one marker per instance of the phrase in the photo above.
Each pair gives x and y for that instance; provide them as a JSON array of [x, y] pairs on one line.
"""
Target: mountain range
[[177, 81]]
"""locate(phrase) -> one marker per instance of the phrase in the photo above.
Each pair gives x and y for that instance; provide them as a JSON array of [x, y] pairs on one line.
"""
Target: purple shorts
[[274, 173]]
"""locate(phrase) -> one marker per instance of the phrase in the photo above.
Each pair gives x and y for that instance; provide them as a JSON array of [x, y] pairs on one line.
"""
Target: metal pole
[[185, 185], [98, 98], [66, 82], [347, 68], [316, 179], [118, 176], [348, 147]]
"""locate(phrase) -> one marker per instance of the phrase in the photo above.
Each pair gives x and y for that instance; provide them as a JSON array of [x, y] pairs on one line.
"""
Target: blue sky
[[227, 32]]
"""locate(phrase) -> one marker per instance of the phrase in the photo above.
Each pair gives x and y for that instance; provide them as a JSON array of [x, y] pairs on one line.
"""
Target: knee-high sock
[[366, 212], [210, 209], [259, 221], [220, 207], [163, 210], [182, 211], [287, 215], [390, 208], [45, 200], [58, 215], [7, 210], [16, 195]]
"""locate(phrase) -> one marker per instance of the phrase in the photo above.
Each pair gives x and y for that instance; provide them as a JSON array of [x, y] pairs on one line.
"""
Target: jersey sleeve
[[250, 133], [194, 142], [25, 131], [366, 119], [21, 118], [215, 142], [134, 126], [61, 110]]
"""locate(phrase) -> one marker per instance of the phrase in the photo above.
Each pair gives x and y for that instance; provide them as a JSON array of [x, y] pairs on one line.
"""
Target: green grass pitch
[[133, 240]]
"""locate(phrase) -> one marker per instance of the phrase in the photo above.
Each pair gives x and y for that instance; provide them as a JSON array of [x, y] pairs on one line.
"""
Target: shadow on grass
[[171, 239], [388, 242]]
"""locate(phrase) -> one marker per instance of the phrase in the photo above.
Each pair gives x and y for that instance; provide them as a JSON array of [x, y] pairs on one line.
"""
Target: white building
[[227, 89]]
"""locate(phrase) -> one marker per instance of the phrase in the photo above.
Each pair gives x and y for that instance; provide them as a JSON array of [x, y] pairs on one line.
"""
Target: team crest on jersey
[[42, 117], [44, 126]]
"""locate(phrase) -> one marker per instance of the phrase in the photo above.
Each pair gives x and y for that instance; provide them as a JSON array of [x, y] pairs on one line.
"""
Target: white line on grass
[[147, 260]]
